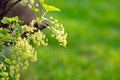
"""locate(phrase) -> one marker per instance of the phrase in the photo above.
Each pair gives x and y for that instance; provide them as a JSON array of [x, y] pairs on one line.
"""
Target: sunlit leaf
[[7, 20], [50, 8]]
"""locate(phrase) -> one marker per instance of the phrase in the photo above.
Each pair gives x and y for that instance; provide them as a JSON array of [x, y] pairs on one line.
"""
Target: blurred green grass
[[93, 51]]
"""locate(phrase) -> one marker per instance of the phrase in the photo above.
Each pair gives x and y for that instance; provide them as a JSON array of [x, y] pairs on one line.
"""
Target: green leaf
[[41, 1], [50, 8], [3, 31], [4, 36], [7, 20], [18, 28], [13, 19]]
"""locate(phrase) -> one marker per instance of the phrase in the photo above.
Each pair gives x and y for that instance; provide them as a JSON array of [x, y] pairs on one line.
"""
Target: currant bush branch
[[22, 39]]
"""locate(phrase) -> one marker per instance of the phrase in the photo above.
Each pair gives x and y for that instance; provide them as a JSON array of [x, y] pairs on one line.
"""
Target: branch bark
[[3, 9]]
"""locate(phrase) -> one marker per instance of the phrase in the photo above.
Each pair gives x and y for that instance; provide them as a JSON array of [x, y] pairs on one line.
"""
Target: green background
[[93, 50]]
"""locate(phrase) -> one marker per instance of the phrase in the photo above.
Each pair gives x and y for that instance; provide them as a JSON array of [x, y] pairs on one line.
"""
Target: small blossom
[[4, 74], [51, 17], [1, 65]]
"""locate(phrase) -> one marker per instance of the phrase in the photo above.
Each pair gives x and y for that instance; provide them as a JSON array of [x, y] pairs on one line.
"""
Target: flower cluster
[[32, 7], [58, 31], [4, 67], [37, 38], [23, 51]]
